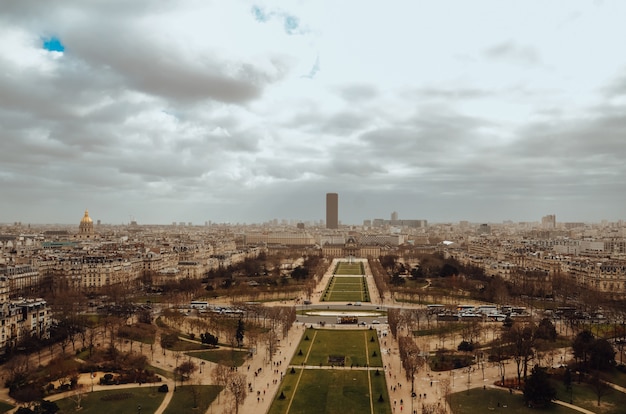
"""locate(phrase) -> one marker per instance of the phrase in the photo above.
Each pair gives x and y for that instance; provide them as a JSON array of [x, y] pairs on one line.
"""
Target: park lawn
[[478, 400], [584, 396], [229, 357], [304, 346], [616, 377], [186, 346], [192, 398], [4, 407], [287, 388], [379, 388], [160, 371], [328, 391], [124, 400], [344, 268], [349, 343], [347, 289]]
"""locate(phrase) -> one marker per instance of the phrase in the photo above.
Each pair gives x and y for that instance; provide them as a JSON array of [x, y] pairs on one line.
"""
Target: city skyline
[[248, 111]]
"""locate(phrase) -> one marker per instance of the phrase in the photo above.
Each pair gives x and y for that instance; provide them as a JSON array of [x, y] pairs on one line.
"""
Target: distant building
[[394, 216], [400, 223], [85, 228], [549, 221], [332, 211]]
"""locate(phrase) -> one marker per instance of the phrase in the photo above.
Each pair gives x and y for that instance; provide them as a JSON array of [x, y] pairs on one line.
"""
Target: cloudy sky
[[245, 111]]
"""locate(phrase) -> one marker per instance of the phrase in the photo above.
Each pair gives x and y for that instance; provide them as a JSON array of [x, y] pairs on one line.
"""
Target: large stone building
[[21, 318], [332, 211], [85, 228]]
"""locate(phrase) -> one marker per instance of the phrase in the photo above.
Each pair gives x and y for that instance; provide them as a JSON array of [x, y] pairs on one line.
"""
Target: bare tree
[[272, 343], [444, 386], [186, 369], [220, 376], [393, 319], [77, 396], [238, 387], [411, 359], [599, 386]]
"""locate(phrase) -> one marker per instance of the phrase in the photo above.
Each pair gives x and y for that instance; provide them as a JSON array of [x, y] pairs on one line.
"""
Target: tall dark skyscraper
[[332, 210]]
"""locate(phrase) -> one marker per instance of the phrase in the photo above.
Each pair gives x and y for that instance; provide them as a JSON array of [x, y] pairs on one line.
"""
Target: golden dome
[[86, 218]]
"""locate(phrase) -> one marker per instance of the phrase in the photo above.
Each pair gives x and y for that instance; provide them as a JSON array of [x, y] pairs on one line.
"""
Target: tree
[[522, 342], [48, 407], [186, 369], [209, 339], [546, 330], [537, 389], [272, 343], [221, 375], [410, 357], [300, 273], [601, 355], [168, 341], [582, 345], [237, 385], [599, 386], [567, 379], [239, 332], [77, 397], [393, 319]]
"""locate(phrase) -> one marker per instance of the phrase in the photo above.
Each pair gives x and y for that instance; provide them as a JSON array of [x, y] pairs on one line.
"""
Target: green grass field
[[116, 401], [346, 289], [356, 345], [332, 391], [345, 268], [485, 401], [227, 357], [192, 398], [584, 396]]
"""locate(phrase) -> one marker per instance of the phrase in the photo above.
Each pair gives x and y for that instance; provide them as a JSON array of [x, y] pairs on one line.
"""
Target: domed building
[[85, 229]]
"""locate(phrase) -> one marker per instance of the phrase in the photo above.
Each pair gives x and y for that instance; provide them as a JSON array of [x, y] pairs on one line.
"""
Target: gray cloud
[[356, 93], [168, 123], [511, 51]]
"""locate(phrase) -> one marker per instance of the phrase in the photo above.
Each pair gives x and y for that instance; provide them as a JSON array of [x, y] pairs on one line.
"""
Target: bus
[[347, 319], [435, 308], [199, 304], [487, 309]]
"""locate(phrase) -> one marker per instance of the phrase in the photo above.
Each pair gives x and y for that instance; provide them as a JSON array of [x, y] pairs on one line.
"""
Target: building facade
[[332, 211]]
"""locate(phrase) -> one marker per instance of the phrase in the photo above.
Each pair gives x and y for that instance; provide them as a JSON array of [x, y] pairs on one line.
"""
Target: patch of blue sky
[[291, 24], [53, 44], [314, 69], [259, 14]]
